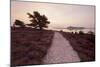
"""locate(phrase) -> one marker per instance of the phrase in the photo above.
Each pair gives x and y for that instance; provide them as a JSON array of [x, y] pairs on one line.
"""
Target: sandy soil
[[60, 51]]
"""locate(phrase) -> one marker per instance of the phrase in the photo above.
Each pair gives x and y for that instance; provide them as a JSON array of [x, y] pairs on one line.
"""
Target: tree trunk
[[41, 28]]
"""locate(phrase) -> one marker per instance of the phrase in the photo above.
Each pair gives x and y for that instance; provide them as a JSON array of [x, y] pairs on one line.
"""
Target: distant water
[[84, 30]]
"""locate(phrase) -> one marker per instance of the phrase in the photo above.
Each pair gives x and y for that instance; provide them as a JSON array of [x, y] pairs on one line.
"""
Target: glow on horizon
[[60, 15]]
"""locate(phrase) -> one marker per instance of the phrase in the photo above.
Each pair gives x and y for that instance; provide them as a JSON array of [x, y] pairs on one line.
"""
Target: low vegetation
[[83, 44], [29, 46]]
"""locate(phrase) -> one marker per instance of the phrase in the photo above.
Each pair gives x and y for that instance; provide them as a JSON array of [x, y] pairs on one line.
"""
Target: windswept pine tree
[[38, 21]]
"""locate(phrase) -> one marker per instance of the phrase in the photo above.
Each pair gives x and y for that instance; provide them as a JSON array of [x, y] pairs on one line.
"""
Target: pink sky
[[60, 15]]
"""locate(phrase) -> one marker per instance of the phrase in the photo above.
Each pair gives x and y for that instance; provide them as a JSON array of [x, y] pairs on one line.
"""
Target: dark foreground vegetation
[[29, 46], [84, 44]]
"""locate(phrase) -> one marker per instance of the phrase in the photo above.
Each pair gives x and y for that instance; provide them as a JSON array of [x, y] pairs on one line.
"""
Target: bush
[[81, 32], [19, 23], [76, 33], [90, 32]]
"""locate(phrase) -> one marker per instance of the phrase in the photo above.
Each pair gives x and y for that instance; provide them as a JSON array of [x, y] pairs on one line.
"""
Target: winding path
[[60, 51]]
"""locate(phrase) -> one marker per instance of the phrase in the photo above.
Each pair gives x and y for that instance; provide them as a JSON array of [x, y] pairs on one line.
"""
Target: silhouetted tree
[[19, 23], [38, 21]]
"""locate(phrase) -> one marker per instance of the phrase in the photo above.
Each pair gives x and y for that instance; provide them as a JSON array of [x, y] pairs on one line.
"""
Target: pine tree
[[38, 21]]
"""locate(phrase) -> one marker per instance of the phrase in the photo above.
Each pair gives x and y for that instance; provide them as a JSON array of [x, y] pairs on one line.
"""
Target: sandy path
[[60, 51]]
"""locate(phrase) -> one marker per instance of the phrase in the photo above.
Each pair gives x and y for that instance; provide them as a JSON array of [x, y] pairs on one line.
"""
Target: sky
[[60, 15]]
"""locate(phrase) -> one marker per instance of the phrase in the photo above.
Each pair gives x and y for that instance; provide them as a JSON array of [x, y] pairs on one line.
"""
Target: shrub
[[90, 32], [19, 23], [81, 32]]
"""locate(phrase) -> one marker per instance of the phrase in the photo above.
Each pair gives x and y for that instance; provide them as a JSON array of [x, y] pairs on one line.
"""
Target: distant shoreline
[[86, 30]]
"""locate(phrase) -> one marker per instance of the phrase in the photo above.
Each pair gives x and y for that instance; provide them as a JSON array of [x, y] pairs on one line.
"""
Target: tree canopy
[[38, 21]]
